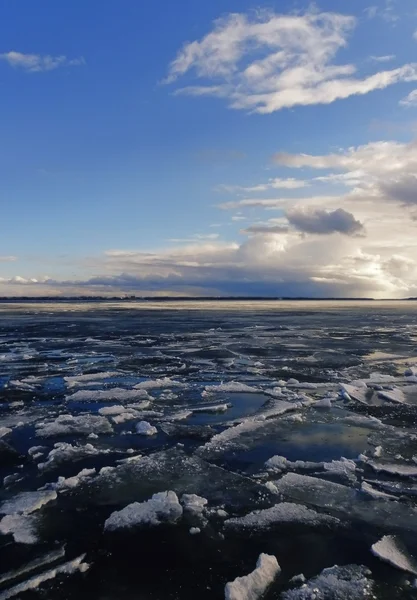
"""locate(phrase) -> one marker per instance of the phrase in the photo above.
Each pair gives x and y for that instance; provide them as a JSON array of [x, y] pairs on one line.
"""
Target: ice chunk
[[119, 394], [410, 372], [110, 411], [145, 428], [254, 585], [374, 493], [125, 416], [354, 391], [32, 566], [277, 463], [323, 403], [195, 530], [231, 387], [72, 482], [4, 431], [69, 425], [395, 395], [403, 470], [63, 452], [285, 512], [80, 380], [213, 408], [163, 507], [349, 582], [391, 550], [27, 502], [193, 503], [22, 527], [165, 382], [34, 582]]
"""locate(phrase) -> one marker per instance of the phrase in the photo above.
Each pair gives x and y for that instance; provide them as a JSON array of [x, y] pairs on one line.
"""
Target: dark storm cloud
[[324, 222]]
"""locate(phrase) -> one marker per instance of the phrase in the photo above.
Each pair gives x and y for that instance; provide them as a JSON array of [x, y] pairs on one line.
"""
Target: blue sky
[[126, 124]]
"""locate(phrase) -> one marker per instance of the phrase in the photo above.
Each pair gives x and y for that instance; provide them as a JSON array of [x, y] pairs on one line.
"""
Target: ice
[[72, 482], [364, 421], [231, 387], [35, 451], [63, 452], [165, 382], [354, 391], [254, 585], [213, 408], [125, 416], [403, 470], [145, 428], [4, 431], [90, 378], [350, 582], [34, 565], [323, 403], [391, 550], [343, 467], [194, 530], [163, 507], [110, 411], [374, 493], [111, 394], [395, 395], [410, 372], [277, 463], [70, 425], [285, 512], [22, 527], [193, 503], [27, 502], [224, 440], [34, 582]]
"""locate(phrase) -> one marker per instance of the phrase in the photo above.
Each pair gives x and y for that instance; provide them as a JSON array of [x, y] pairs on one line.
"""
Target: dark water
[[278, 350]]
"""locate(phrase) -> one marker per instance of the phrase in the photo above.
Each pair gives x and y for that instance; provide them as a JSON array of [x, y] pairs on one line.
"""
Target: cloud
[[385, 12], [8, 258], [36, 63], [415, 35], [266, 229], [402, 189], [264, 62], [195, 237], [272, 203], [272, 184], [322, 222], [384, 58], [410, 100]]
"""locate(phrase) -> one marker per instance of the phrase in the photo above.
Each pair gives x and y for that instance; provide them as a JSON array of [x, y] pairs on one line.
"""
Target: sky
[[218, 148]]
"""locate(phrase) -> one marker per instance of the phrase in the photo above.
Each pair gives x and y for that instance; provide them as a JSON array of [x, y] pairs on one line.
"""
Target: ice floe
[[254, 585], [164, 382], [63, 452], [350, 582], [27, 502], [70, 425], [145, 428], [231, 387], [108, 395], [163, 507], [390, 549], [193, 503]]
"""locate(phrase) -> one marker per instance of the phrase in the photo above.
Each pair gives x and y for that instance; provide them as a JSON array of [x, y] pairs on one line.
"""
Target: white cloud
[[415, 35], [272, 184], [410, 100], [35, 63], [296, 67], [195, 237], [8, 258], [384, 58]]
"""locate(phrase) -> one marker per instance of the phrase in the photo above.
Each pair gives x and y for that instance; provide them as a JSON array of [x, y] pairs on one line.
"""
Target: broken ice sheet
[[390, 549], [69, 425]]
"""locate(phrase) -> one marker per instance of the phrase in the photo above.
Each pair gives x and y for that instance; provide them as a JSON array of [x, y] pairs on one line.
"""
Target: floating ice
[[323, 403], [349, 582], [395, 395], [4, 431], [145, 428], [403, 470], [165, 382], [27, 502], [110, 411], [72, 482], [193, 503], [125, 416], [22, 527], [285, 512], [254, 585], [357, 392], [231, 387], [391, 550], [163, 507], [111, 394], [213, 408], [69, 425], [194, 530], [63, 452], [88, 379], [374, 493], [34, 582]]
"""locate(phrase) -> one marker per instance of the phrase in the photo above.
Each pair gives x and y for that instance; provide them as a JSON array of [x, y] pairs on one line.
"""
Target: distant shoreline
[[145, 299]]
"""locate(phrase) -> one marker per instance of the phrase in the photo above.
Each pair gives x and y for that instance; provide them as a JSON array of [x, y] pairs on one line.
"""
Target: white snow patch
[[254, 585], [163, 507], [145, 428], [391, 550]]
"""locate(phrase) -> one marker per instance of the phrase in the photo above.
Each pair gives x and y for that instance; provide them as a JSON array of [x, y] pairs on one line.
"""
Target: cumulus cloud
[[36, 63], [297, 64], [322, 222], [410, 100]]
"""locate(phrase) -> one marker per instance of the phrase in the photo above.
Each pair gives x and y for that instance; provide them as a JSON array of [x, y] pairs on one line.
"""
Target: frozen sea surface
[[156, 450]]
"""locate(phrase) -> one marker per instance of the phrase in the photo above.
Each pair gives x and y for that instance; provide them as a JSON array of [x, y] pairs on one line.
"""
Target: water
[[63, 365]]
